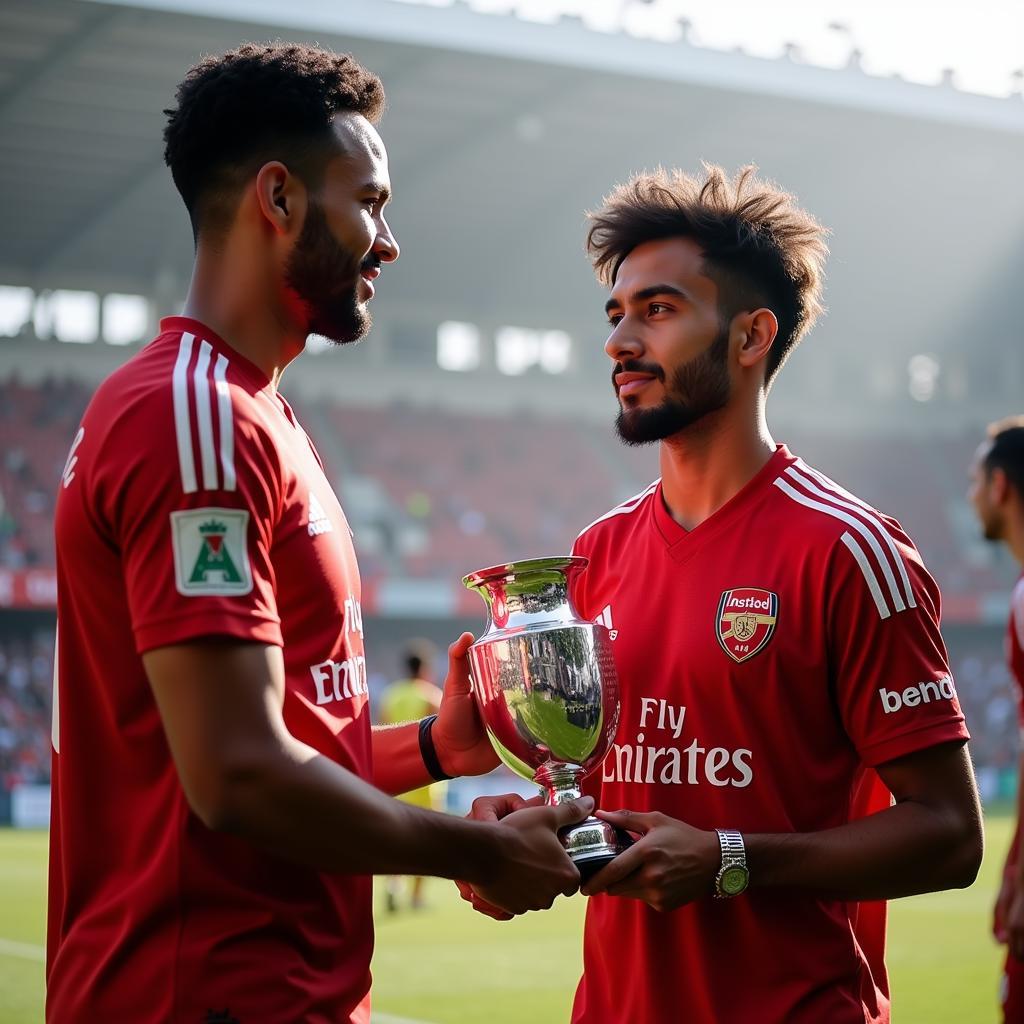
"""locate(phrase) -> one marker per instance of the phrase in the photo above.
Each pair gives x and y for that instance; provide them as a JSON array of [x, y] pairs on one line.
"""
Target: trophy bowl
[[545, 683]]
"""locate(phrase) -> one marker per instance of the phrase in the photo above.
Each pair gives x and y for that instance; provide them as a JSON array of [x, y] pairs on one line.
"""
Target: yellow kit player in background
[[408, 700]]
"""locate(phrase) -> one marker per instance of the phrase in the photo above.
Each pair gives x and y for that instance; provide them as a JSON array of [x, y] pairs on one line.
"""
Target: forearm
[[306, 808], [908, 849], [397, 761]]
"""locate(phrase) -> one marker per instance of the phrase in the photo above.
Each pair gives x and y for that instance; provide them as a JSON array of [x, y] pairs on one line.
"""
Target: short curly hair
[[759, 247], [259, 102]]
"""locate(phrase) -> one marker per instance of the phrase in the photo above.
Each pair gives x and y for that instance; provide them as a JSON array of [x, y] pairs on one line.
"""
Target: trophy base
[[592, 844]]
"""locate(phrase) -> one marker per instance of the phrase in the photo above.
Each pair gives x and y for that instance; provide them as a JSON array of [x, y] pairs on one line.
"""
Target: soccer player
[[997, 494], [407, 700], [218, 795], [791, 750]]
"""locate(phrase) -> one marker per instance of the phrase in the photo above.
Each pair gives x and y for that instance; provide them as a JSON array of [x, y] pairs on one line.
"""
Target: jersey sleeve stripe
[[629, 505], [1017, 611], [204, 420], [869, 574], [845, 517], [182, 418], [865, 512], [226, 422]]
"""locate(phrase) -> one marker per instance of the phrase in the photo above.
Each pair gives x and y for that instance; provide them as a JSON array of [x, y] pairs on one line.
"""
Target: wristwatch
[[733, 876]]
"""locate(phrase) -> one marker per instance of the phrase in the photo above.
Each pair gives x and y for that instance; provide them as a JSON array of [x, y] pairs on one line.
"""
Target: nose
[[386, 245], [622, 344]]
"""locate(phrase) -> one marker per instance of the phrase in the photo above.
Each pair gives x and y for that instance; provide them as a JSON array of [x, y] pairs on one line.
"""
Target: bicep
[[220, 703]]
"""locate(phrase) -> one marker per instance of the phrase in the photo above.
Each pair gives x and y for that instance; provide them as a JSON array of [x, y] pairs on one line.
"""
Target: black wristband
[[427, 751]]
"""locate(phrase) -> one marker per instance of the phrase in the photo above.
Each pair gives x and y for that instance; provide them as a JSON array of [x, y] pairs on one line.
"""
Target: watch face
[[733, 881]]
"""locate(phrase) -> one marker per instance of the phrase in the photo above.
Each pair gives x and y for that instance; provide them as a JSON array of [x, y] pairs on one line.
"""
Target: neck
[[705, 465], [1014, 537], [242, 302]]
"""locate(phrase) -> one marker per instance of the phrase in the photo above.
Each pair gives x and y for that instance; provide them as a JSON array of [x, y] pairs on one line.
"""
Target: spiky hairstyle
[[1007, 450], [759, 247], [259, 102]]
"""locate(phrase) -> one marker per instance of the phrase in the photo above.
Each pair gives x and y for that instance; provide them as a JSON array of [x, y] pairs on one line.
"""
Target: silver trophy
[[547, 690]]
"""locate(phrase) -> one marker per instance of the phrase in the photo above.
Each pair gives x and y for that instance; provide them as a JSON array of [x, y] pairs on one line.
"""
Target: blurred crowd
[[26, 684]]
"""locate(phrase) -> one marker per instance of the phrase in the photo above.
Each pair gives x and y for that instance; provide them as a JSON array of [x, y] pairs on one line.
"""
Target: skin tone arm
[[243, 773], [459, 738], [931, 839]]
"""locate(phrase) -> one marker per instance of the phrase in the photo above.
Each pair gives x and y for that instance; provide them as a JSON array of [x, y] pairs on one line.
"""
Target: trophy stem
[[592, 843], [560, 782]]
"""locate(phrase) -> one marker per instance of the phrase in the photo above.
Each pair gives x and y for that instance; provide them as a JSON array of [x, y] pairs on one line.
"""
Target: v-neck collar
[[681, 543]]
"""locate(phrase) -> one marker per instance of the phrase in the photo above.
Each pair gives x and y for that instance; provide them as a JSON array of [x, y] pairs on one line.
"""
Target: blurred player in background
[[218, 795], [777, 643], [408, 700], [997, 494]]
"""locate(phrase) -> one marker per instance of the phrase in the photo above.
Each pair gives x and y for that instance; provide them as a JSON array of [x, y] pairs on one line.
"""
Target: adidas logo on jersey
[[605, 619], [318, 519]]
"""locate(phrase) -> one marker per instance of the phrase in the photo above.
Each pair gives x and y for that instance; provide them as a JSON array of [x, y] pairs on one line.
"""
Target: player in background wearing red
[[219, 797], [777, 643], [997, 494]]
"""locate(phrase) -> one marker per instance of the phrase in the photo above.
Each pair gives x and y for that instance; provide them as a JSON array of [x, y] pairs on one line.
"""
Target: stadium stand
[[434, 494]]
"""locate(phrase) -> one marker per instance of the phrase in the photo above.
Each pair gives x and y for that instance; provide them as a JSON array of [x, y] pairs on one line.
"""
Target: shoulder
[[622, 517], [1017, 612], [182, 400], [856, 540]]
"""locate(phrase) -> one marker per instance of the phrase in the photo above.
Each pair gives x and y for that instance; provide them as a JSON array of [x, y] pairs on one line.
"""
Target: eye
[[657, 307], [614, 319]]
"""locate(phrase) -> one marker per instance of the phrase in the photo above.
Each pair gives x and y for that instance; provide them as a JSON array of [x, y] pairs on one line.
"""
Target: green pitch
[[446, 965]]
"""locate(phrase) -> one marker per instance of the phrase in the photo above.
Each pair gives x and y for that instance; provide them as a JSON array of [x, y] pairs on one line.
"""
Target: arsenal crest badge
[[746, 621]]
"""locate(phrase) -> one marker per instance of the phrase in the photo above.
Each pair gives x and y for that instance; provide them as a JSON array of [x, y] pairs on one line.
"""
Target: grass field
[[446, 965]]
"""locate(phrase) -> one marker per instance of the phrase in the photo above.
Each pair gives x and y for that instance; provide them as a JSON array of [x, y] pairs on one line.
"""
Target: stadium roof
[[501, 133]]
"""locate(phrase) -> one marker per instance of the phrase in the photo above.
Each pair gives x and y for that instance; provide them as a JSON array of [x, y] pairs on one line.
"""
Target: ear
[[759, 328], [998, 485], [281, 197]]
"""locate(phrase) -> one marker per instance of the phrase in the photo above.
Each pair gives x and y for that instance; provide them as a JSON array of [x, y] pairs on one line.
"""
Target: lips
[[368, 275], [627, 383]]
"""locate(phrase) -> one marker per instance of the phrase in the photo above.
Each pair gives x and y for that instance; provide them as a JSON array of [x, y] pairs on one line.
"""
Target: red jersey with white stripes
[[769, 659], [193, 504]]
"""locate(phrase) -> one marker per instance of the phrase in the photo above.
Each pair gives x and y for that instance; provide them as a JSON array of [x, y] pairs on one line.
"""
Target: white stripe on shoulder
[[182, 419], [204, 420], [845, 517], [869, 574], [226, 423], [833, 493], [629, 505]]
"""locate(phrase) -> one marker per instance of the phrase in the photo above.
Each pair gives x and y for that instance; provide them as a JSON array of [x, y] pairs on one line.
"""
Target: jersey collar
[[683, 543]]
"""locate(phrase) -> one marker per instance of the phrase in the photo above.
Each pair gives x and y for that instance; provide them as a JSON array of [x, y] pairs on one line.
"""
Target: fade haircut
[[259, 102], [759, 247], [1007, 451]]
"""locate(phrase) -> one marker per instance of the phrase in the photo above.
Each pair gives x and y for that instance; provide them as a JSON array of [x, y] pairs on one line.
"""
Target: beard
[[325, 275], [697, 389]]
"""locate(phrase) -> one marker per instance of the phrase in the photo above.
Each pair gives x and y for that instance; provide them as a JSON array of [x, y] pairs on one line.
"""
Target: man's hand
[[534, 867], [493, 808], [459, 738], [670, 865]]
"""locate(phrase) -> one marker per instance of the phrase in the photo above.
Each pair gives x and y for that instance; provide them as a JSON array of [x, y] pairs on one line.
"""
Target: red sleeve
[[893, 685], [196, 553]]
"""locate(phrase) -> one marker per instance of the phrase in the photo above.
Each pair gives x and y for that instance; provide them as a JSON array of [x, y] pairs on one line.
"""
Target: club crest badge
[[746, 621]]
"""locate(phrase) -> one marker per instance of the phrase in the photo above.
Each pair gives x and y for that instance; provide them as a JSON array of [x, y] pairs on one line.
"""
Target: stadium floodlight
[[125, 318], [72, 316], [15, 309], [923, 370], [458, 346]]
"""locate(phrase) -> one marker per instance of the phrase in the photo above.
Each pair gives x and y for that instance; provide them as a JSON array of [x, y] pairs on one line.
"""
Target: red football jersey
[[193, 504], [768, 659], [1015, 640]]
